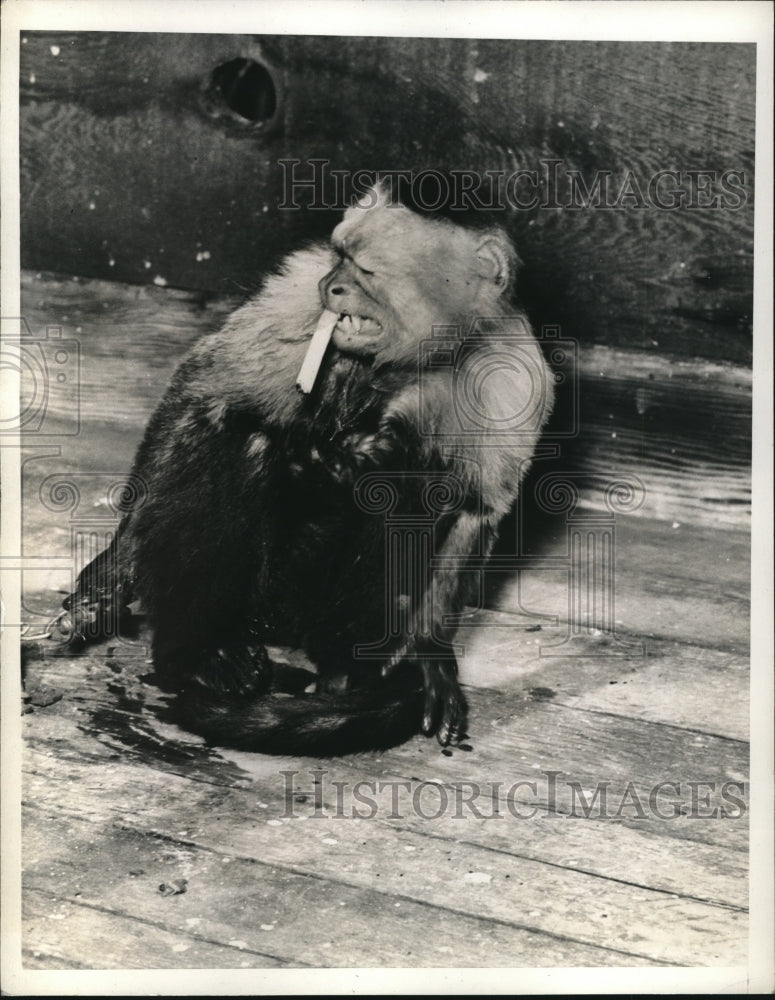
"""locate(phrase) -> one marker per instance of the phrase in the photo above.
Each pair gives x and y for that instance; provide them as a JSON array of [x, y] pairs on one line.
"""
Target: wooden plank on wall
[[129, 170]]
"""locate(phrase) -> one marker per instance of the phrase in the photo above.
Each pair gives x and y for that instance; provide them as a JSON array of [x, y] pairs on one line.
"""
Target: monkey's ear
[[496, 261]]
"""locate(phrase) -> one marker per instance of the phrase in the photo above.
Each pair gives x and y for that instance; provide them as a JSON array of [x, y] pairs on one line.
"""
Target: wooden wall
[[134, 167]]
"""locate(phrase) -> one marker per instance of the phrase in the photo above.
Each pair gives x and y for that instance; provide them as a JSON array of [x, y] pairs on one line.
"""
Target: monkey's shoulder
[[493, 378], [252, 362]]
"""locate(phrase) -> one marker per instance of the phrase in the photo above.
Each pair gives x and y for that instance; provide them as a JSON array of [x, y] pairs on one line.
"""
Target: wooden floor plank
[[264, 913], [685, 583], [648, 852], [521, 740], [517, 736], [681, 427], [693, 687], [66, 933], [464, 878]]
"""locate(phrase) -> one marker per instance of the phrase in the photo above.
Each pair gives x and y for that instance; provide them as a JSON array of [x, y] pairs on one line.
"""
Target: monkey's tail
[[321, 724]]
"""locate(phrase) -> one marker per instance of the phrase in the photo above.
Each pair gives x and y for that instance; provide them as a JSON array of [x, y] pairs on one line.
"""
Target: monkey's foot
[[445, 706], [87, 619]]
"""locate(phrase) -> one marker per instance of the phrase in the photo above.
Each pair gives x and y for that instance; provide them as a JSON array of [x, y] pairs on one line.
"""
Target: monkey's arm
[[430, 642]]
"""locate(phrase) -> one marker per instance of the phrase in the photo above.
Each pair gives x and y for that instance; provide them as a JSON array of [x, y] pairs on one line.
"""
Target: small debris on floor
[[174, 888], [43, 697]]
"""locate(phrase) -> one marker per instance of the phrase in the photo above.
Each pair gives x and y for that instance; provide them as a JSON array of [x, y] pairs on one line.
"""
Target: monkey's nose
[[333, 292], [330, 290]]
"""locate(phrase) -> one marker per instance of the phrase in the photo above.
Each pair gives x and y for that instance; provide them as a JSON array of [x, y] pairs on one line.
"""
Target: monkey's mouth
[[357, 326], [356, 333]]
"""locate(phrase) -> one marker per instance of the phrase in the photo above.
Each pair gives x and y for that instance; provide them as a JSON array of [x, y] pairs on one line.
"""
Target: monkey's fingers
[[453, 720], [445, 707]]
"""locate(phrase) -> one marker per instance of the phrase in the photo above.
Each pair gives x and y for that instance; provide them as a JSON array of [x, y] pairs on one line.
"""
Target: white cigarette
[[317, 348]]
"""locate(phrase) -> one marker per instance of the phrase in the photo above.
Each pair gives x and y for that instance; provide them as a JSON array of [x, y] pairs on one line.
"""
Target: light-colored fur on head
[[382, 196], [413, 273], [409, 273]]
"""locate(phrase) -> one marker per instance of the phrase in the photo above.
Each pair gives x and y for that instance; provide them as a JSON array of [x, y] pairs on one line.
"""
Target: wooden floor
[[142, 848]]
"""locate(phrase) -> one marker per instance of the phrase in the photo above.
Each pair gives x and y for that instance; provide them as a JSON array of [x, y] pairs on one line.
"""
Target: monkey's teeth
[[354, 325]]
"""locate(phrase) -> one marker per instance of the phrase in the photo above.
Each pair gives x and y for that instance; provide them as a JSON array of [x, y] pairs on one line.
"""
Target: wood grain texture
[[685, 583], [68, 931], [527, 869], [415, 859], [683, 684], [286, 914], [123, 161]]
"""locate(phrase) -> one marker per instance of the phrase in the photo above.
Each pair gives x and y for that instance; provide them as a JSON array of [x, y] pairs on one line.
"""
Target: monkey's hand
[[347, 458], [392, 446], [360, 451], [445, 710], [445, 705]]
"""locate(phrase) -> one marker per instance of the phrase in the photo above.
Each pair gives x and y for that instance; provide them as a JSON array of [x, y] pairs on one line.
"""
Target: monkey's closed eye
[[344, 255]]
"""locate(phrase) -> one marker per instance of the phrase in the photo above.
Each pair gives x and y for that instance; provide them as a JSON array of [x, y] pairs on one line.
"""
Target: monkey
[[256, 525]]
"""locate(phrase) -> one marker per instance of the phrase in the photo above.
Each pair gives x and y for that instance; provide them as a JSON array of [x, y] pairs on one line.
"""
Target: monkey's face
[[400, 274]]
